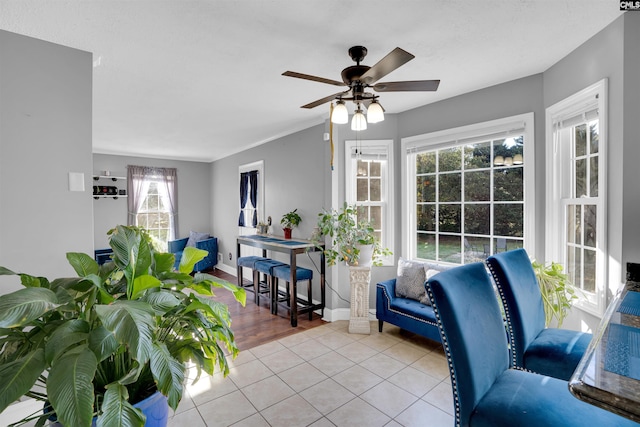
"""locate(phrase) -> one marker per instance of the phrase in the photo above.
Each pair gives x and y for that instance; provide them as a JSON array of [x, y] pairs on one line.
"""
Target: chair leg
[[309, 299], [256, 287], [273, 294], [380, 322]]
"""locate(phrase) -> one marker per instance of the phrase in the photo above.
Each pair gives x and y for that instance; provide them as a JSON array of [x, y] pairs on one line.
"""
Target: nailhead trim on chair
[[507, 315], [447, 350], [419, 319]]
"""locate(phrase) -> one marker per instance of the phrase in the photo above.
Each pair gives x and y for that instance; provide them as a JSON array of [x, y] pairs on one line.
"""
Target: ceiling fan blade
[[407, 86], [325, 99], [312, 78], [394, 59]]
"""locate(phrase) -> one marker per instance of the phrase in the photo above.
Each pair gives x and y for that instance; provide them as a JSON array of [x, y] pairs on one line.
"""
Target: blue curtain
[[253, 180], [244, 182]]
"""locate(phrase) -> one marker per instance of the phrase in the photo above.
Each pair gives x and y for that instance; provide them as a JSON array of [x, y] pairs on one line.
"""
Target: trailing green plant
[[348, 234], [557, 291], [94, 345], [290, 219]]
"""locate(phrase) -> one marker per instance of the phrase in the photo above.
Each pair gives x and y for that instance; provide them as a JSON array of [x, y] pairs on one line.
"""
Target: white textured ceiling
[[200, 80]]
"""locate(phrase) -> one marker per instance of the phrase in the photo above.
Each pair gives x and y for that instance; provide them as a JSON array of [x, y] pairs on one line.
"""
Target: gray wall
[[45, 133], [631, 140], [194, 195], [508, 99], [295, 168], [610, 54]]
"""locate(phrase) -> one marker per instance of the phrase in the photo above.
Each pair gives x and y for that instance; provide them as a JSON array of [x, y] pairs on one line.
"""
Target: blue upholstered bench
[[408, 313]]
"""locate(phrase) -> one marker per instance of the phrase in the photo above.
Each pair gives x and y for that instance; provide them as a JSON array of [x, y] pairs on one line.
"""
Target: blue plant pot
[[154, 407]]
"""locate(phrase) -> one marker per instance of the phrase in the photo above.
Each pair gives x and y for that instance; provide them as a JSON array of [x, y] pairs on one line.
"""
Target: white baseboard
[[226, 269]]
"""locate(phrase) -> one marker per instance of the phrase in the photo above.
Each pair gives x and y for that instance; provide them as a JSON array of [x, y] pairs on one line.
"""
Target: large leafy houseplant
[[556, 289], [93, 345], [348, 235]]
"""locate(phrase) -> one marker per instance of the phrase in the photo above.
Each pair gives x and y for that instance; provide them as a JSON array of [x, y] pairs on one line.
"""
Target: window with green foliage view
[[469, 202], [469, 191]]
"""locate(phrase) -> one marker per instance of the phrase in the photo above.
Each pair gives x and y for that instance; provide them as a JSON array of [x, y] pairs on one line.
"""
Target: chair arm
[[385, 292], [211, 246], [178, 245]]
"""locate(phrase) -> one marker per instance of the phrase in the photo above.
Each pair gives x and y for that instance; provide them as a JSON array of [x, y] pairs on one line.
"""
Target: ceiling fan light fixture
[[375, 113], [358, 122], [340, 115]]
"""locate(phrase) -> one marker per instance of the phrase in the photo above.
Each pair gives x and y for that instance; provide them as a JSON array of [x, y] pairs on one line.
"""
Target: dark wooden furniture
[[292, 247]]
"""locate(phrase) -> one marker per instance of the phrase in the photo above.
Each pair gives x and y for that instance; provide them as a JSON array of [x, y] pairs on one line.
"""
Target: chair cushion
[[413, 308], [284, 272], [195, 236], [249, 261], [556, 352], [526, 399], [267, 266]]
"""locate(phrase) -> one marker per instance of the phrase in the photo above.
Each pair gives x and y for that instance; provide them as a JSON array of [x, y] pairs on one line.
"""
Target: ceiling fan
[[358, 78]]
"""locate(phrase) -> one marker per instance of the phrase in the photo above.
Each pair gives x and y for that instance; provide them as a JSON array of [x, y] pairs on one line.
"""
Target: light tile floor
[[327, 377]]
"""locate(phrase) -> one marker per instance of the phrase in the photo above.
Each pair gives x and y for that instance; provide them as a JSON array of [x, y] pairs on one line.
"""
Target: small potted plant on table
[[289, 221], [93, 346]]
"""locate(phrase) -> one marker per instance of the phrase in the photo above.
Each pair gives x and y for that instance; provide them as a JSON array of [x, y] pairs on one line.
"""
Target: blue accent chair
[[547, 351], [406, 313], [210, 245], [486, 392]]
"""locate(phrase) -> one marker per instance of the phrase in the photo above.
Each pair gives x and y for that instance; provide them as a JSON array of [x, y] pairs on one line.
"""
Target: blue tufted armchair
[[210, 245]]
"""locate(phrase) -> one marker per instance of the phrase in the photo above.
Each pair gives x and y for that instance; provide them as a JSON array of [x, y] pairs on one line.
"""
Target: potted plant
[[92, 346], [289, 221], [556, 289], [350, 237]]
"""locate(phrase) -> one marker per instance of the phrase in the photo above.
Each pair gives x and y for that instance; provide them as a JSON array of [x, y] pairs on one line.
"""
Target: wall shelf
[[104, 188]]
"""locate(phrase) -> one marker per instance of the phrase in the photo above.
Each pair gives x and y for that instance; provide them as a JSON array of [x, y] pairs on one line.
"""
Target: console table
[[608, 375], [292, 247]]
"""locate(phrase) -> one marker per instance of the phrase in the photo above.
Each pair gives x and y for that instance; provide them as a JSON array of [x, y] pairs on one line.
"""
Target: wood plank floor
[[254, 325]]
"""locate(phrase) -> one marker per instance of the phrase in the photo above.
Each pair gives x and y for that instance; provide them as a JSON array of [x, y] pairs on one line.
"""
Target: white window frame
[[248, 167], [163, 198], [471, 133], [386, 189], [558, 174]]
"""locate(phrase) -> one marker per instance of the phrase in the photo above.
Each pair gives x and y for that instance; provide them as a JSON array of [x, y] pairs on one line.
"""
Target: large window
[[467, 195], [576, 187], [368, 185]]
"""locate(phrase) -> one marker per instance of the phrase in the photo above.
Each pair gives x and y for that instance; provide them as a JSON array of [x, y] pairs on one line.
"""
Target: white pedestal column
[[359, 278]]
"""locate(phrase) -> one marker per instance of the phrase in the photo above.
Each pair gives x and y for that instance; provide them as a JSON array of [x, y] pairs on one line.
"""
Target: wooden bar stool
[[248, 262], [284, 273], [266, 267]]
